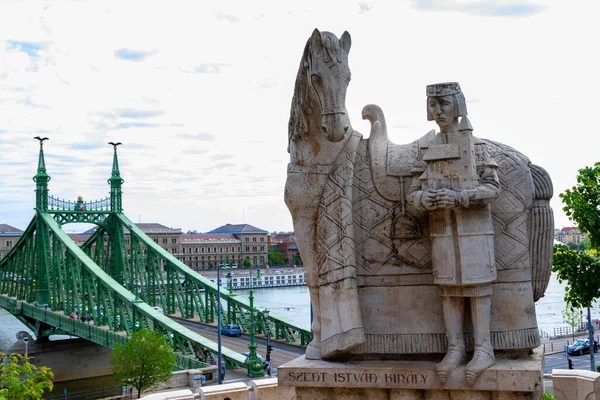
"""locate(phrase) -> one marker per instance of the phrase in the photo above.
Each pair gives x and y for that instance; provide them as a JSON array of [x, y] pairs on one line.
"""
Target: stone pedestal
[[511, 378]]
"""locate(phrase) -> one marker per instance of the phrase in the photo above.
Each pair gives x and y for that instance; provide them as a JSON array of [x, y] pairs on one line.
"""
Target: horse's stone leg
[[313, 350]]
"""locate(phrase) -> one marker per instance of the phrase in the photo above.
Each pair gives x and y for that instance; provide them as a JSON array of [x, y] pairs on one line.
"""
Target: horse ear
[[315, 40], [346, 41]]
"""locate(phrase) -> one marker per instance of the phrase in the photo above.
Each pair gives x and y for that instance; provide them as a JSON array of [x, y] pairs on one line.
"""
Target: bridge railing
[[183, 289], [72, 280], [87, 331]]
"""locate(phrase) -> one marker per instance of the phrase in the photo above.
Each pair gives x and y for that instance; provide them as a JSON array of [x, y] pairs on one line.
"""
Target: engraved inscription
[[406, 378], [357, 379], [307, 376], [365, 377]]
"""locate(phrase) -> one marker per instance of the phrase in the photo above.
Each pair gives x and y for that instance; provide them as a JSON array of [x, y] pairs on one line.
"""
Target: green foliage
[[581, 271], [582, 203], [573, 317], [211, 265], [247, 263], [144, 361], [548, 395], [276, 257], [298, 259], [20, 380]]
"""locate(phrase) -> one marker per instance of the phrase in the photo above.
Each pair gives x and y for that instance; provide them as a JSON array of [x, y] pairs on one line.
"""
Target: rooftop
[[208, 238], [5, 228], [237, 229]]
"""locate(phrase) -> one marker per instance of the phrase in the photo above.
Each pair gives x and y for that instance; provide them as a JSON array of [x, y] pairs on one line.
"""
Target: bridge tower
[[42, 239], [116, 235]]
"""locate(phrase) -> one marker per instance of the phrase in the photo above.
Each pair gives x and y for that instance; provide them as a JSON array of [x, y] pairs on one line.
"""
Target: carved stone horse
[[367, 253]]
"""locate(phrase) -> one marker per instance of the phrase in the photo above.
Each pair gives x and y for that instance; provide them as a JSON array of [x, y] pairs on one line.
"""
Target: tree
[[144, 361], [298, 259], [582, 203], [276, 257], [21, 380], [581, 271], [573, 317], [247, 263]]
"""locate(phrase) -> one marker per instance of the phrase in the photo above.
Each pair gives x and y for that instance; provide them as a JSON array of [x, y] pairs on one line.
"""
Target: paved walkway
[[553, 346]]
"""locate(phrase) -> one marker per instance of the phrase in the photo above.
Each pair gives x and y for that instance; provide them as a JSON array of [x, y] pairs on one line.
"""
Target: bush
[[548, 395]]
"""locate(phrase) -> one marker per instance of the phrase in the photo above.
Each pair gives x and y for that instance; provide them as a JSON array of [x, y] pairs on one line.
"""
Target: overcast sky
[[199, 93]]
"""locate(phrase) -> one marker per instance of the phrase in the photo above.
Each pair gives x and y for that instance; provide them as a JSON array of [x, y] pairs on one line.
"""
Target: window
[[173, 250], [156, 240], [254, 239], [165, 240], [254, 248], [196, 250], [227, 249], [189, 249], [202, 259], [208, 249], [239, 248], [214, 249], [220, 249], [174, 240], [262, 248], [247, 239], [202, 249], [262, 239], [127, 241], [9, 243], [247, 249]]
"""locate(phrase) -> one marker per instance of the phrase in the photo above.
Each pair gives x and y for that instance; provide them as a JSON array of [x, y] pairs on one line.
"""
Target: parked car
[[581, 347], [160, 310], [231, 330], [263, 362]]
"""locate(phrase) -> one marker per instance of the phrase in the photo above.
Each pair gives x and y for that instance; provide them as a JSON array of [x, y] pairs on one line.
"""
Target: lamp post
[[219, 374], [591, 339], [26, 339], [255, 369]]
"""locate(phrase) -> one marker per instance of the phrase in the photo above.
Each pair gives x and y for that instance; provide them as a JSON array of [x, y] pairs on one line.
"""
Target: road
[[559, 361], [282, 352]]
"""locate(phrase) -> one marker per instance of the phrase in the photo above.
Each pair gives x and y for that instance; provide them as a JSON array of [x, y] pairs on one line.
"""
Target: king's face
[[443, 111]]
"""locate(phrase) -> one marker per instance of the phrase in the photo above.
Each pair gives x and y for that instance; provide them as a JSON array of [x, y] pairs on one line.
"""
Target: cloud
[[221, 157], [127, 125], [209, 68], [195, 152], [133, 55], [32, 49], [266, 83], [203, 137], [225, 17], [487, 8], [364, 7], [134, 113]]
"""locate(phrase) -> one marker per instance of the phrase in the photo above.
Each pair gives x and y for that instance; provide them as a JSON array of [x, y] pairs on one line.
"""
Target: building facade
[[233, 243], [9, 236], [569, 235]]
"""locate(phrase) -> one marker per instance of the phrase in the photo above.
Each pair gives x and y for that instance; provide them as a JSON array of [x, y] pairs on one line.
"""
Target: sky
[[199, 93]]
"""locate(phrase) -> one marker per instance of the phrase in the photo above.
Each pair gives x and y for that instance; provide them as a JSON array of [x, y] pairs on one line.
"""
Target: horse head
[[320, 90]]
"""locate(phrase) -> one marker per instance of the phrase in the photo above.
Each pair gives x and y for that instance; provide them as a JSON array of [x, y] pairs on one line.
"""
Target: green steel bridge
[[118, 285]]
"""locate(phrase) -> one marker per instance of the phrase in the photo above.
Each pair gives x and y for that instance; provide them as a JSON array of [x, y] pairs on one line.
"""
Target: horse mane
[[302, 104]]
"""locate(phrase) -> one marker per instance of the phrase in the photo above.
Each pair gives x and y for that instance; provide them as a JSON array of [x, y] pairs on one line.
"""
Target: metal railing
[[88, 394]]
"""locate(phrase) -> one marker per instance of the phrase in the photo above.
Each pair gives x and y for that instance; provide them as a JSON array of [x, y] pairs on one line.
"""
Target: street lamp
[[26, 339], [255, 369], [219, 374]]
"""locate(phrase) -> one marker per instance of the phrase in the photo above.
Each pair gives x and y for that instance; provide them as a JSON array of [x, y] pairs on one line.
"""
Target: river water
[[293, 303]]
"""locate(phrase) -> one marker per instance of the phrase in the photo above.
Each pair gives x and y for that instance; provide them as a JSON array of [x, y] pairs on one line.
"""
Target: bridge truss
[[116, 281]]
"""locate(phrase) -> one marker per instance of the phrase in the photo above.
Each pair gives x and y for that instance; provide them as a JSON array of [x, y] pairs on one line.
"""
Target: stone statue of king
[[455, 182]]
